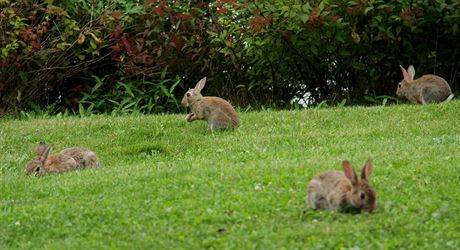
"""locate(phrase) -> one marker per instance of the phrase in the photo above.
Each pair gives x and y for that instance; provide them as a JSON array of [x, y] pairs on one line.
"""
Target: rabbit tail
[[449, 98]]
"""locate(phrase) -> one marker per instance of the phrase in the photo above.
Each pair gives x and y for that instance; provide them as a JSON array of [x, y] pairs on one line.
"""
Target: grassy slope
[[168, 184]]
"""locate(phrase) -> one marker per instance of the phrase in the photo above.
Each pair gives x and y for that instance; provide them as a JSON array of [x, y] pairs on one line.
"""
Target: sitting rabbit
[[426, 89], [216, 111], [342, 191]]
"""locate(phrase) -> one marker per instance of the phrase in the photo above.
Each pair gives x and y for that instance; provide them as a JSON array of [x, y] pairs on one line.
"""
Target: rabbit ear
[[44, 156], [41, 149], [405, 74], [200, 85], [411, 72], [367, 170], [349, 172]]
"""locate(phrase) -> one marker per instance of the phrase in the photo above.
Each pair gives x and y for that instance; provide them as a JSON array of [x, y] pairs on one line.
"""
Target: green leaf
[[306, 7], [304, 18], [314, 50], [321, 6], [98, 84], [163, 73], [81, 110], [366, 10], [93, 44], [127, 88], [178, 80]]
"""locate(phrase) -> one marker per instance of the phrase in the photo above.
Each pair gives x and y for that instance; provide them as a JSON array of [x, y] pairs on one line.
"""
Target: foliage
[[41, 50], [253, 52], [48, 57], [168, 184], [134, 96], [336, 49]]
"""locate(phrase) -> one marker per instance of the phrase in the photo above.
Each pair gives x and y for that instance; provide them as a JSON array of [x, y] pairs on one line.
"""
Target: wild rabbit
[[343, 191], [426, 89], [216, 111], [67, 160]]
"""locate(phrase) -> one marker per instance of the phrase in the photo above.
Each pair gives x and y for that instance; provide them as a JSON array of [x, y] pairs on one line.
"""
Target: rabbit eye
[[188, 94], [362, 196], [37, 169]]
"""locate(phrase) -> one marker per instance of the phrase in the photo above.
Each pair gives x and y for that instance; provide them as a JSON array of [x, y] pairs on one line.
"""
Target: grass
[[165, 183]]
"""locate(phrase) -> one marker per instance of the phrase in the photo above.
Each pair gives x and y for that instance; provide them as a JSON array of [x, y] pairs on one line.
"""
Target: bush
[[253, 52], [331, 50], [127, 97], [55, 54]]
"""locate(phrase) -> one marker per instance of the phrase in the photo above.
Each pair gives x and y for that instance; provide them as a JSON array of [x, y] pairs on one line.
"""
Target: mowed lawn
[[168, 184]]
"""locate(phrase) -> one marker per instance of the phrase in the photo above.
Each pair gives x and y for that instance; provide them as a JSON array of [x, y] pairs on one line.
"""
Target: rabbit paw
[[189, 117]]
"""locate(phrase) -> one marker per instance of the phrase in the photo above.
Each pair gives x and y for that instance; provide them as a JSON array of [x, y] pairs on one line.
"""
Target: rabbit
[[426, 89], [216, 111], [67, 160], [343, 191]]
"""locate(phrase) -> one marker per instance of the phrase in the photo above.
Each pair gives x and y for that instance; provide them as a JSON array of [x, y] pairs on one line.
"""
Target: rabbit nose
[[184, 103]]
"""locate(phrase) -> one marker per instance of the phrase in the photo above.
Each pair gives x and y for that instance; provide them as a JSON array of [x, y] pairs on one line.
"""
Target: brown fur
[[426, 89], [82, 156], [342, 191], [67, 160], [216, 111]]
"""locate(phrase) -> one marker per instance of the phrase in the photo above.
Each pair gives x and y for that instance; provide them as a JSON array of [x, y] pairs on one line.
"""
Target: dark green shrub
[[129, 96], [253, 52], [50, 53], [334, 49]]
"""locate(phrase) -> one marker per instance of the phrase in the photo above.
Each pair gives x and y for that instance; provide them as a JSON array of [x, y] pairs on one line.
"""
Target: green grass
[[165, 183]]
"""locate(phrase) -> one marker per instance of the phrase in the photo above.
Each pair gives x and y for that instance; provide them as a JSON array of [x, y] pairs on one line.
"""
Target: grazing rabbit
[[342, 191], [216, 111], [68, 159], [426, 89]]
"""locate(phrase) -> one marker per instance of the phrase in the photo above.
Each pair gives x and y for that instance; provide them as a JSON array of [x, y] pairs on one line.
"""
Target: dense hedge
[[123, 55]]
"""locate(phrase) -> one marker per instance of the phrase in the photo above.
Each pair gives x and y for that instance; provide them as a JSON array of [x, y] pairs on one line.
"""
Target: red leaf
[[127, 46], [116, 14], [36, 46], [117, 32]]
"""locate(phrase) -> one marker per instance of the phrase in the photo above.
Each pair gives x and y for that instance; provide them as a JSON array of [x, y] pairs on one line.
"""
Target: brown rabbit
[[216, 111], [426, 89], [68, 159], [343, 191]]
